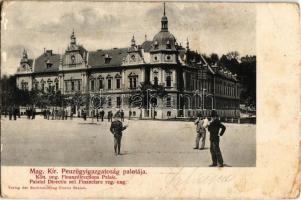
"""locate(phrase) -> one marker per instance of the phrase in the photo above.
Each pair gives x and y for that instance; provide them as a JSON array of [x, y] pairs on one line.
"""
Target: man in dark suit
[[116, 129], [102, 114], [122, 115], [214, 128]]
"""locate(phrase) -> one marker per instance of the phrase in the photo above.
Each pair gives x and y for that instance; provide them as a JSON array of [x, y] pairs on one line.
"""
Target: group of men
[[216, 129], [13, 112], [101, 114], [30, 112], [56, 114], [214, 126]]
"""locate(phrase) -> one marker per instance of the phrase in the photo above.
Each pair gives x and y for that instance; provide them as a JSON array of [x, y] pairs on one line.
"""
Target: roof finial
[[73, 38], [133, 42], [164, 21], [187, 44], [145, 37], [24, 53]]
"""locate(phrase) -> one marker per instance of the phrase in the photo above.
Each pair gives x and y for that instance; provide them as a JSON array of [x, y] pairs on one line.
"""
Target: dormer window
[[107, 59], [48, 64], [168, 45], [73, 59], [156, 45]]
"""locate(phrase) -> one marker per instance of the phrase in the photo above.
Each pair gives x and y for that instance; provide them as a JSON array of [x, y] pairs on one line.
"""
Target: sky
[[210, 27]]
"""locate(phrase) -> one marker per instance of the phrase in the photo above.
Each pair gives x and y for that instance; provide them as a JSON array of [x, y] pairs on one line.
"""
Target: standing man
[[15, 112], [116, 129], [110, 116], [10, 112], [201, 125], [102, 114], [214, 128], [97, 114], [122, 115]]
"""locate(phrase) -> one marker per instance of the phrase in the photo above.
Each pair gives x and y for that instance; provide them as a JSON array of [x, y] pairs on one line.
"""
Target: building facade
[[114, 78]]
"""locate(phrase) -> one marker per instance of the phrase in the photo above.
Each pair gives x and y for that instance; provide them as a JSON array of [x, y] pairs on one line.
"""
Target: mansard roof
[[47, 57], [97, 59]]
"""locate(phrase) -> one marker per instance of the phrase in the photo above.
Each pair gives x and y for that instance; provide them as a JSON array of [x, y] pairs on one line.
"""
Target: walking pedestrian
[[201, 125], [216, 129], [116, 129]]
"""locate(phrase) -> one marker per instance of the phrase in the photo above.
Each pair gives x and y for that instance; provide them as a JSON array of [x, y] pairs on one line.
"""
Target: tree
[[147, 95]]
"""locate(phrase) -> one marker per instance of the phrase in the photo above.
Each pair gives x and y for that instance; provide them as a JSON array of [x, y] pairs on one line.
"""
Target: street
[[145, 143]]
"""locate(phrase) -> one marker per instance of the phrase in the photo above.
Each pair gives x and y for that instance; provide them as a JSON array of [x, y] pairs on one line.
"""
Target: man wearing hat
[[214, 128], [116, 129], [201, 125]]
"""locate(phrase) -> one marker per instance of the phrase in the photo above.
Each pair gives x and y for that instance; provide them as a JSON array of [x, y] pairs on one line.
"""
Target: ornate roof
[[47, 62], [107, 58], [164, 40]]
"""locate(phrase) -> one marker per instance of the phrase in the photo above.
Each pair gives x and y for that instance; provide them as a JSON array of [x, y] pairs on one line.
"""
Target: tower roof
[[164, 40]]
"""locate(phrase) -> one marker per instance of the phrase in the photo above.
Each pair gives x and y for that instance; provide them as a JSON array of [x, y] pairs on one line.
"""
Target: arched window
[[109, 81], [168, 102], [168, 45], [92, 84], [156, 45], [42, 85], [133, 80], [118, 81], [56, 81], [35, 84], [168, 79], [100, 82]]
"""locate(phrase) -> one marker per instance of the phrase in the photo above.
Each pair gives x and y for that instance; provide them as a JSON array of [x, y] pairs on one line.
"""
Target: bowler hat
[[213, 113]]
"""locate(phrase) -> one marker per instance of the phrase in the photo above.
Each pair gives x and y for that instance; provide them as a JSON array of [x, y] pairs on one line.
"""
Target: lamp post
[[203, 101], [100, 96], [180, 96]]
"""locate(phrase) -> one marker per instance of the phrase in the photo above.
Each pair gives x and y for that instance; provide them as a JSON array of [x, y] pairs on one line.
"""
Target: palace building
[[190, 84]]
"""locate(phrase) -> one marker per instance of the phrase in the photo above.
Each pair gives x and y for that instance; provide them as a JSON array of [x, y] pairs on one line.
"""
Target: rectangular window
[[92, 85], [118, 101], [72, 85], [100, 83], [109, 84], [109, 102], [79, 85], [168, 102], [131, 83], [135, 82], [118, 83]]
